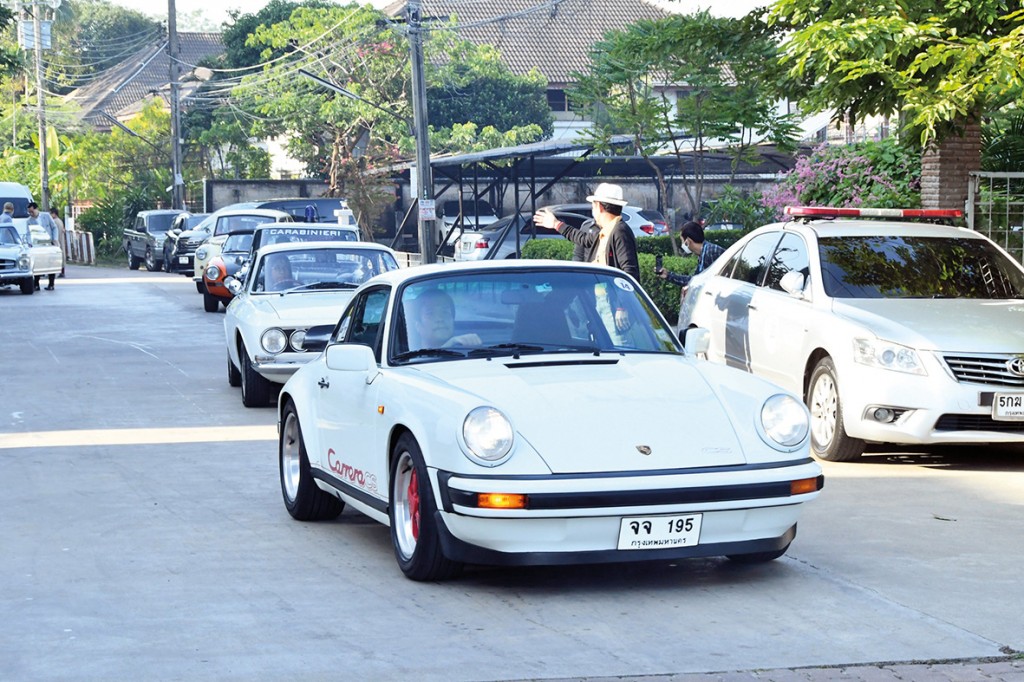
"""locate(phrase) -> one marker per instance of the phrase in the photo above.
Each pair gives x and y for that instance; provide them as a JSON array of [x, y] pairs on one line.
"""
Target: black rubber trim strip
[[352, 491]]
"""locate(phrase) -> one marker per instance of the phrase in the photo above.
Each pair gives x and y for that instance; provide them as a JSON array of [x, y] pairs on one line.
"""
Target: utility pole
[[424, 177], [44, 165], [173, 52]]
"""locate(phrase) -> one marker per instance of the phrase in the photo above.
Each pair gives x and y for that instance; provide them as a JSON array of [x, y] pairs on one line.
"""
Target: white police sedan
[[536, 412], [291, 288], [894, 331]]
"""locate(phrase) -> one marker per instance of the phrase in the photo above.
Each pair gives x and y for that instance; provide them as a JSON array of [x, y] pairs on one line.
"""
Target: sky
[[207, 15]]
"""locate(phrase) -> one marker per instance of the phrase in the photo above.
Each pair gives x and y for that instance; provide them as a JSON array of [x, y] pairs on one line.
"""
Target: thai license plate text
[[1008, 407], [659, 532]]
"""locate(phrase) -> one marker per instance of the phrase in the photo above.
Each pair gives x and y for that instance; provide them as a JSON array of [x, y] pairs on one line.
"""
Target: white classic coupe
[[537, 412], [291, 288]]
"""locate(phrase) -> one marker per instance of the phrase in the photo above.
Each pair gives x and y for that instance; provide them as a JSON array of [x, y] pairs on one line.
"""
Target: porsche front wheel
[[414, 531], [302, 498]]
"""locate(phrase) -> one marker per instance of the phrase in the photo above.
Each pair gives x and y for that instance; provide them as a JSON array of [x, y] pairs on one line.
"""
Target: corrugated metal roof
[[122, 87], [553, 36]]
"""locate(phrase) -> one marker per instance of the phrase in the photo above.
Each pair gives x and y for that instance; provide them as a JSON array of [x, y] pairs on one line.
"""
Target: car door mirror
[[351, 357], [232, 284], [696, 340], [793, 283]]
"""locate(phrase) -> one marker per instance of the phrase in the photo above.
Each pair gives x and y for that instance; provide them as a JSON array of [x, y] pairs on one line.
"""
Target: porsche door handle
[[323, 383]]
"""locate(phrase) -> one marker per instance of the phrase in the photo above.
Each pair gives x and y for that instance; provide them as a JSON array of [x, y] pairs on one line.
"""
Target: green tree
[[716, 92]]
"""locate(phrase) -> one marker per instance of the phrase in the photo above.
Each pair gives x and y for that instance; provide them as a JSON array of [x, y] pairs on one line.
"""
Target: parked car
[[539, 433], [473, 214], [183, 238], [311, 209], [20, 196], [892, 331], [224, 221], [232, 258], [23, 264], [500, 236], [144, 240], [292, 287]]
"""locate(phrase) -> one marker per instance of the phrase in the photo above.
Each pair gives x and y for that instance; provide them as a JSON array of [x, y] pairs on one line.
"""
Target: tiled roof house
[[553, 36], [122, 89]]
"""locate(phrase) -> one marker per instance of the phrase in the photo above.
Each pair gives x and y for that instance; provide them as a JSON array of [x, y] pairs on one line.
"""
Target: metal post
[[424, 177], [44, 165], [173, 52]]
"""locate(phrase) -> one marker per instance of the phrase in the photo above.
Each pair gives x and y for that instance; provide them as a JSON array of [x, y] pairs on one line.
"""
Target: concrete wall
[[220, 193]]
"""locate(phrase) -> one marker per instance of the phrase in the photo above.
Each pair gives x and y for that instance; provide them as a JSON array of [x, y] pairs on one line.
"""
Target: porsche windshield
[[917, 267], [480, 314]]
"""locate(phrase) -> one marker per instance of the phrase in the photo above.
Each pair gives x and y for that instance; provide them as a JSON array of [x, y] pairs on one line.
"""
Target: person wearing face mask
[[692, 237]]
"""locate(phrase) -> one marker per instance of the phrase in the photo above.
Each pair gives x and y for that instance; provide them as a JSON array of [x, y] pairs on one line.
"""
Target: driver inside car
[[279, 274], [431, 322]]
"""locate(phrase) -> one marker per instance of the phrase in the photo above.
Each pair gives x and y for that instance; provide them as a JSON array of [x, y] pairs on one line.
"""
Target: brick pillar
[[944, 168]]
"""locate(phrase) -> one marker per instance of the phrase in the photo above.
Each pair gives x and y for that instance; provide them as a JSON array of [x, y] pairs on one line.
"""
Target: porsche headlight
[[202, 252], [886, 355], [274, 341], [784, 420], [488, 435], [213, 272]]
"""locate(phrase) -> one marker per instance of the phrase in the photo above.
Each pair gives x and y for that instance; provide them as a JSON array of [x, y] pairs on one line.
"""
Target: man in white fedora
[[614, 244]]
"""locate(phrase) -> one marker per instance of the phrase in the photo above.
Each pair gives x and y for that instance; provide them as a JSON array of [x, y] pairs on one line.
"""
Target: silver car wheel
[[290, 458], [824, 403], [405, 496]]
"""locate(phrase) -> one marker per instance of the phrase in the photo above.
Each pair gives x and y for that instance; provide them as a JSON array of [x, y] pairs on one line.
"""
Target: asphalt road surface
[[142, 536]]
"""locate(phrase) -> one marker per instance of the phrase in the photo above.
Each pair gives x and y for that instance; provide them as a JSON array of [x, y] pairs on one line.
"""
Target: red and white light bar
[[824, 211]]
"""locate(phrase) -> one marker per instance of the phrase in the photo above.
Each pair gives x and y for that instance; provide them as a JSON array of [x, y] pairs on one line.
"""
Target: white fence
[[995, 207]]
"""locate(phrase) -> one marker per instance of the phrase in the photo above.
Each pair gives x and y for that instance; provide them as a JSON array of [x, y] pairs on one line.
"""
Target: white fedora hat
[[607, 193]]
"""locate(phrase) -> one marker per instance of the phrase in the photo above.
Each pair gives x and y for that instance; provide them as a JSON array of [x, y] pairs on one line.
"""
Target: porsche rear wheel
[[255, 387], [302, 498], [828, 432], [414, 531]]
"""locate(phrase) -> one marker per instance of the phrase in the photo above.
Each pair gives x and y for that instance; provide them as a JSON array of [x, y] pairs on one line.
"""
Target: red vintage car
[[232, 258]]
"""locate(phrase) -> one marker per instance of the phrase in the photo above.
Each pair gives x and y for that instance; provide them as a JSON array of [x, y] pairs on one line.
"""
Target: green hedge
[[664, 294]]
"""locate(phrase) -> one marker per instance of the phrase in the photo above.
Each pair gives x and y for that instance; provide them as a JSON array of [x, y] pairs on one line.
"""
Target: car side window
[[367, 316], [791, 254], [751, 263]]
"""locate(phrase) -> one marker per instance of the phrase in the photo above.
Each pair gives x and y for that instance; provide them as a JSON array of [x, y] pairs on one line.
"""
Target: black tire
[[200, 288], [152, 264], [828, 432], [167, 261], [234, 376], [210, 303], [411, 509], [302, 498], [28, 286], [256, 389], [133, 261]]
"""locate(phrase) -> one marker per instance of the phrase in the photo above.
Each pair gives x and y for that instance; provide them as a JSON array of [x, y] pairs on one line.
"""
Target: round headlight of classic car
[[296, 340], [212, 272], [784, 420], [202, 252], [274, 341], [488, 434]]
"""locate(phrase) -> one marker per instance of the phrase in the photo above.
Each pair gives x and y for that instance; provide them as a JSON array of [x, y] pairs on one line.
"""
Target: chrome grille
[[991, 370], [8, 264]]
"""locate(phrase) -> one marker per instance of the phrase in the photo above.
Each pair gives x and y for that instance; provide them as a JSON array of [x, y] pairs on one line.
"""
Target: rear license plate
[[659, 532], [1008, 407], [183, 260]]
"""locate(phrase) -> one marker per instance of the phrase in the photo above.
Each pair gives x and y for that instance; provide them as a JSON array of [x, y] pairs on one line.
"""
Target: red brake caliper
[[414, 504]]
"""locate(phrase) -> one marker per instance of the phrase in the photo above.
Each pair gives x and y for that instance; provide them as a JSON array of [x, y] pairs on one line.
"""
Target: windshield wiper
[[320, 285], [517, 348], [438, 352]]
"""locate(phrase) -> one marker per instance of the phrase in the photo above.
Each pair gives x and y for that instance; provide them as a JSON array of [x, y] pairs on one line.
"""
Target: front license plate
[[659, 532], [1008, 407], [183, 260]]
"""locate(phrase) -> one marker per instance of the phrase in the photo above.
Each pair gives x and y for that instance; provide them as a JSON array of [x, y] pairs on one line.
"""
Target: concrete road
[[142, 536]]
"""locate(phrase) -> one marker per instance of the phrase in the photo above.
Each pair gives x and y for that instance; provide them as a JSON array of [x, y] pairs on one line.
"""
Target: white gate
[[995, 207]]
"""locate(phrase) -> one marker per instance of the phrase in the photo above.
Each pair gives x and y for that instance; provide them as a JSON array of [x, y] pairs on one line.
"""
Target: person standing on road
[[55, 214], [612, 244], [46, 222], [692, 237]]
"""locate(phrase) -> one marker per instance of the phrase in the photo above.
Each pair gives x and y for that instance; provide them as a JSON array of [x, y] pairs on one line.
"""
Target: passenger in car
[[431, 322]]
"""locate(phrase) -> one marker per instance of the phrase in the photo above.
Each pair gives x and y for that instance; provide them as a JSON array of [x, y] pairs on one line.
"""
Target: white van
[[21, 197]]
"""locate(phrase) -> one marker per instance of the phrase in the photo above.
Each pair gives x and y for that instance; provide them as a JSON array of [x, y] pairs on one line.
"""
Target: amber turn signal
[[500, 501], [803, 486]]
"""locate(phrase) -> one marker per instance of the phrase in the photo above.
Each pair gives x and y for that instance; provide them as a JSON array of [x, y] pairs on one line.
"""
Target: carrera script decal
[[350, 474]]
